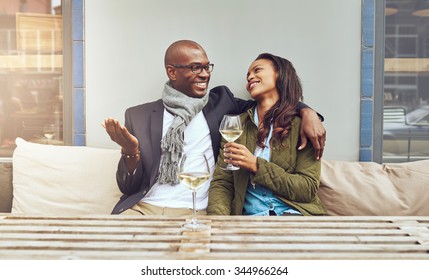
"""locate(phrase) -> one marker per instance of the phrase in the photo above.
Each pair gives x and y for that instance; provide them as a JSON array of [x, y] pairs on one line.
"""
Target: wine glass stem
[[229, 165], [194, 206]]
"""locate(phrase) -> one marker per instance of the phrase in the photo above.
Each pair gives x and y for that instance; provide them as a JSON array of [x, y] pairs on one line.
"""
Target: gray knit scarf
[[184, 109]]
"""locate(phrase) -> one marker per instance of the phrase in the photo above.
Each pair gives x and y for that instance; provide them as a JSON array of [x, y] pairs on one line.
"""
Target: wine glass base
[[229, 167], [194, 226]]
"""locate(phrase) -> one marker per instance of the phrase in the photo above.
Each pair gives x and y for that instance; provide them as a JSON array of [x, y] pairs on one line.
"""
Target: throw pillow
[[63, 180], [368, 188]]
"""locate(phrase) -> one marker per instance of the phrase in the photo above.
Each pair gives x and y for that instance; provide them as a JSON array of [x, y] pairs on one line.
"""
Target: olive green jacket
[[290, 174]]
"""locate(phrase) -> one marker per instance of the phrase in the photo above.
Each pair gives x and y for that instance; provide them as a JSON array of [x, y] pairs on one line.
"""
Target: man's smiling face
[[186, 81]]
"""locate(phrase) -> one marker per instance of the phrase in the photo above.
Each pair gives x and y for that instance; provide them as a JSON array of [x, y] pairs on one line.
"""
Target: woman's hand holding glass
[[238, 155], [230, 128]]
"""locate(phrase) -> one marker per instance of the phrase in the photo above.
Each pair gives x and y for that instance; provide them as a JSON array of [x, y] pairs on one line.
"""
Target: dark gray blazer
[[145, 123]]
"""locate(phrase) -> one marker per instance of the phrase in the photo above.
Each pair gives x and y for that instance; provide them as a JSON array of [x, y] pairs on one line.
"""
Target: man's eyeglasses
[[195, 68]]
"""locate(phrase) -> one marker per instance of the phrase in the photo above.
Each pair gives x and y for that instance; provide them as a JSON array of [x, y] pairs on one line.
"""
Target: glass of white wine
[[230, 129], [194, 171], [49, 132]]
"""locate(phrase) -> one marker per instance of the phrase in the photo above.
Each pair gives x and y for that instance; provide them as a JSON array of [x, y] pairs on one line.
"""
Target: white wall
[[126, 41]]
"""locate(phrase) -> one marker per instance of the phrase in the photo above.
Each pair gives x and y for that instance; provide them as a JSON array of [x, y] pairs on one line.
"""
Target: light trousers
[[143, 208]]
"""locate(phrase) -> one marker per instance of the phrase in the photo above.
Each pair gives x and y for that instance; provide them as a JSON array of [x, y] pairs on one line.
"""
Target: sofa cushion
[[5, 187], [63, 180], [368, 188]]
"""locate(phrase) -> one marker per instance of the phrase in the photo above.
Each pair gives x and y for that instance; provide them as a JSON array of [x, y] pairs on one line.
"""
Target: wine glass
[[194, 171], [230, 129], [49, 132]]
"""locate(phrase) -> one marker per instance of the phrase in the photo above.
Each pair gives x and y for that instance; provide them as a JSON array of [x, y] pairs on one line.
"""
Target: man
[[186, 119]]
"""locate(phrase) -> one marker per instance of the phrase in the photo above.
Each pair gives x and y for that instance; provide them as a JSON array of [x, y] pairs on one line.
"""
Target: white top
[[197, 140]]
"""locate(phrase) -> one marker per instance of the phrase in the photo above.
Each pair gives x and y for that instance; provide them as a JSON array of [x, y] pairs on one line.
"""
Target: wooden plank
[[308, 225], [95, 218], [71, 229], [307, 232], [93, 237], [320, 219], [315, 239], [95, 223], [213, 239], [84, 246], [145, 255], [382, 248]]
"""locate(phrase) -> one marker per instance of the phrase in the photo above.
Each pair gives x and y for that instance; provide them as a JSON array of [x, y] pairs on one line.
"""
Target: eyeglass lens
[[197, 69]]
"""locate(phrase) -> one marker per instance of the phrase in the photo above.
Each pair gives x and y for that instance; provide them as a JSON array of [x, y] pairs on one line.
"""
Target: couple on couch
[[279, 171]]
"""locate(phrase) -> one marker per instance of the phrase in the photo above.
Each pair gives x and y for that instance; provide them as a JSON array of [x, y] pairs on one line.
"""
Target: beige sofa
[[59, 180]]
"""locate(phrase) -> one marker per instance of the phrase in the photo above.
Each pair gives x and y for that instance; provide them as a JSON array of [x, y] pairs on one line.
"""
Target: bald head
[[179, 50], [180, 59]]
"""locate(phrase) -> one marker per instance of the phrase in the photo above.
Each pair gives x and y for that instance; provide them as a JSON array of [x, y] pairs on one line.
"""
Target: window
[[406, 81], [31, 73]]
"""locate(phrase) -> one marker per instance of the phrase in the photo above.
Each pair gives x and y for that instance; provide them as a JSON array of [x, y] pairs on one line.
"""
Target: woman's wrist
[[254, 167]]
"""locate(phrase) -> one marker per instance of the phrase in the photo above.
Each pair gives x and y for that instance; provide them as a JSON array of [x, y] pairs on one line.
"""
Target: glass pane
[[406, 81], [31, 93]]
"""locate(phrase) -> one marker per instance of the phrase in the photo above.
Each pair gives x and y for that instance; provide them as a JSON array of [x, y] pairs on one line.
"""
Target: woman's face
[[261, 79]]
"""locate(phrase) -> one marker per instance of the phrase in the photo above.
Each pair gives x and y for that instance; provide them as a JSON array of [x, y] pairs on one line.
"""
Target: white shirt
[[197, 140]]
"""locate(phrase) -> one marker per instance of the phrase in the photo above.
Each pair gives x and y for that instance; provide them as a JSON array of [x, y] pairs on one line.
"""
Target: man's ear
[[171, 72]]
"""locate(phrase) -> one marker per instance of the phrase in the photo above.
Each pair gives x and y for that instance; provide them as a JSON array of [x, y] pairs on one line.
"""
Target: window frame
[[66, 6], [74, 72], [379, 37], [372, 81]]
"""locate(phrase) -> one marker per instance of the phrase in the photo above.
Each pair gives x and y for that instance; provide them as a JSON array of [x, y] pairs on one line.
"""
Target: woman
[[275, 178]]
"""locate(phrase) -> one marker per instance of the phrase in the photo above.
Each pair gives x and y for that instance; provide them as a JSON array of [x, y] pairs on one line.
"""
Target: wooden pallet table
[[229, 237]]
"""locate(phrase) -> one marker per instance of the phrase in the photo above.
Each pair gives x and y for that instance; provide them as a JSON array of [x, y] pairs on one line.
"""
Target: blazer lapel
[[156, 125], [213, 124]]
